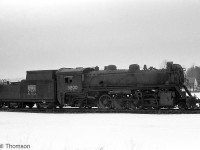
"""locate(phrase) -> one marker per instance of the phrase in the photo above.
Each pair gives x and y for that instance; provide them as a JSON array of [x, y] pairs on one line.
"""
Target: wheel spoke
[[105, 101]]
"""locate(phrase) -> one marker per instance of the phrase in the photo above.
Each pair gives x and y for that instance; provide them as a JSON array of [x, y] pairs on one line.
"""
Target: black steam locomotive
[[107, 89]]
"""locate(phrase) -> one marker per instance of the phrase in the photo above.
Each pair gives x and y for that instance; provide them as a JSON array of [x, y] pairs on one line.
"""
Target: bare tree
[[163, 64]]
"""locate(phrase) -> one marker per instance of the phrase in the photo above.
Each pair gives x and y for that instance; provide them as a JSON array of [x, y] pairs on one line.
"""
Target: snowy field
[[100, 131]]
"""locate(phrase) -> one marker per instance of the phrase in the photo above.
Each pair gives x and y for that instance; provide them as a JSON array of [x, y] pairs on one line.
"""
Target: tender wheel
[[1, 104], [105, 101], [21, 105], [13, 106], [38, 105], [30, 105], [9, 106]]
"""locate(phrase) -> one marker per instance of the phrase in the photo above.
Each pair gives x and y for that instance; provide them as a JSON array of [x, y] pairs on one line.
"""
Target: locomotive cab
[[70, 84]]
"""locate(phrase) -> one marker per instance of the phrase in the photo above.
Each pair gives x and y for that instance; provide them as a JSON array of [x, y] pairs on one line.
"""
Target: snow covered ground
[[100, 131], [196, 94]]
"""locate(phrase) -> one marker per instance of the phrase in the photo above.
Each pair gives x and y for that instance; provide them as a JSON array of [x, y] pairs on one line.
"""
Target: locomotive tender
[[107, 89]]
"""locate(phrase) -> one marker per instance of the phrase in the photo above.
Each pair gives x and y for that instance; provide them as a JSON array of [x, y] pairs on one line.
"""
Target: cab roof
[[73, 70]]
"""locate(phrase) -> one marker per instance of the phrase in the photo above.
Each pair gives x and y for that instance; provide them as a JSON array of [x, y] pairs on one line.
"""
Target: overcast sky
[[50, 34]]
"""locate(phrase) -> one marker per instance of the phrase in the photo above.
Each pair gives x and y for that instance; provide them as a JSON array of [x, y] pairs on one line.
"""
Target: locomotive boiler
[[134, 76]]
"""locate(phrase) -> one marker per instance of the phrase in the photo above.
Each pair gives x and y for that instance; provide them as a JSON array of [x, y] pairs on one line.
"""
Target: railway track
[[96, 110]]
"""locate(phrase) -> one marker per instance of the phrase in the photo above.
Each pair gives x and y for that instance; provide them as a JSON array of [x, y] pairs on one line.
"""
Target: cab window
[[68, 79]]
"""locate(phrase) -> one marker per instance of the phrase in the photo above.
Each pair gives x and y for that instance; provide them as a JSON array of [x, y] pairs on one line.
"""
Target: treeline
[[193, 72]]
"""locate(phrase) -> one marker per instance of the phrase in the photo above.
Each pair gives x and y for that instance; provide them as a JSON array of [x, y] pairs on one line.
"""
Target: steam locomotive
[[110, 88]]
